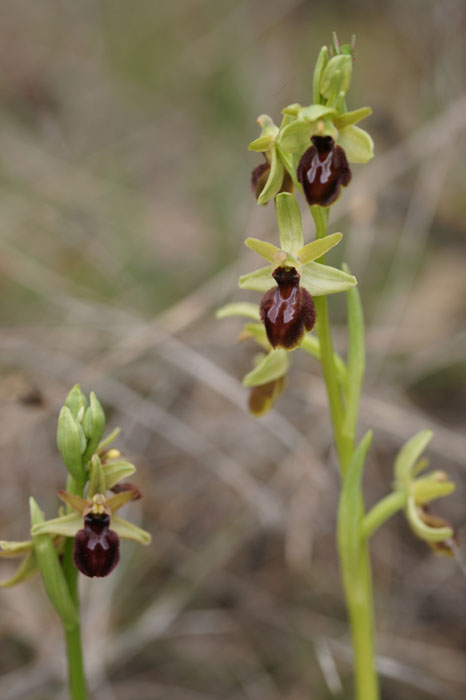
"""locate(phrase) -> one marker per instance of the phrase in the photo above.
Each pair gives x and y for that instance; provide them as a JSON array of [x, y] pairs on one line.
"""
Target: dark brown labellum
[[127, 486], [259, 177], [322, 170], [262, 397], [287, 310], [96, 547]]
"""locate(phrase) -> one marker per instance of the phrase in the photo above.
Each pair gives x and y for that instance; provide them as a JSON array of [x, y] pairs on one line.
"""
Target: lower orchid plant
[[309, 153], [85, 537]]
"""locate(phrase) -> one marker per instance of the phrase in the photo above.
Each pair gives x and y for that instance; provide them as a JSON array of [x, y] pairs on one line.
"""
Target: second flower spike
[[287, 310]]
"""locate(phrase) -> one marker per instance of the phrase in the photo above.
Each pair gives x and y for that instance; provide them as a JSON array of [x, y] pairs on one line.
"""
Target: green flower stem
[[382, 511], [359, 593], [74, 652]]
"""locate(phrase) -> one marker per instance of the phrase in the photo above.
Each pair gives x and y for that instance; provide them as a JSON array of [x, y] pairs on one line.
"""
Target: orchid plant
[[85, 537], [309, 154]]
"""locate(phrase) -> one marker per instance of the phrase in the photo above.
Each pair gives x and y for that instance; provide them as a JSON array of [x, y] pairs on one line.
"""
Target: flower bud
[[322, 170], [94, 426], [287, 310], [71, 443], [76, 402], [336, 76]]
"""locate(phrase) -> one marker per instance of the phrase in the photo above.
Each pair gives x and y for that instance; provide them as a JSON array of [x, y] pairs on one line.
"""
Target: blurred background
[[125, 201]]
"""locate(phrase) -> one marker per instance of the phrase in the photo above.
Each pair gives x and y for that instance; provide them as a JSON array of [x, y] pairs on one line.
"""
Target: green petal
[[289, 223], [274, 365], [357, 144], [274, 180], [114, 472], [314, 250], [129, 531], [109, 439], [261, 145], [9, 550], [67, 525], [408, 456], [25, 570], [239, 308], [260, 280], [295, 138], [342, 121], [321, 279], [268, 251], [425, 532]]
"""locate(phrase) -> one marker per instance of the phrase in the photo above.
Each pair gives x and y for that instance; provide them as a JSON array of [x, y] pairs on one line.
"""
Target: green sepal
[[336, 76], [342, 121], [268, 251], [349, 516], [25, 571], [97, 482], [129, 531], [274, 180], [10, 550], [314, 113], [322, 60], [52, 572], [295, 138], [239, 308], [119, 500], [117, 471], [408, 456], [321, 279], [71, 443], [292, 110], [260, 280], [425, 532], [357, 144], [289, 223], [319, 247], [261, 144], [66, 525], [430, 487], [76, 402], [273, 366], [94, 426]]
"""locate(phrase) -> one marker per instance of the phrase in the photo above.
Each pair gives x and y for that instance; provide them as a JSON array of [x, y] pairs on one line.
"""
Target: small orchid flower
[[272, 177], [420, 491], [322, 170], [288, 309]]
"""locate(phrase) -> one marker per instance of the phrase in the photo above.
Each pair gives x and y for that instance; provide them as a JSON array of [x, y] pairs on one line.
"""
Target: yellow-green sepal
[[407, 458], [274, 180], [321, 279], [65, 525], [239, 308], [289, 223], [260, 280], [129, 531], [272, 366], [357, 144], [422, 530], [431, 486]]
